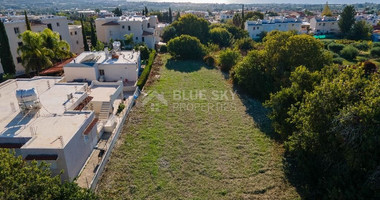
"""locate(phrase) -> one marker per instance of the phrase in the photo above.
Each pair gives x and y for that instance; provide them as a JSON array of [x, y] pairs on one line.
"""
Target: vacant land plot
[[191, 138]]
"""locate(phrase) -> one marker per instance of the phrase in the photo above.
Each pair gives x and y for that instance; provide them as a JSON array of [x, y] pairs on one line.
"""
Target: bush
[[375, 52], [120, 108], [211, 47], [335, 55], [145, 74], [363, 46], [186, 47], [361, 59], [228, 58], [144, 52], [336, 48], [221, 37], [164, 49], [338, 60], [376, 44], [349, 52], [209, 60], [245, 44]]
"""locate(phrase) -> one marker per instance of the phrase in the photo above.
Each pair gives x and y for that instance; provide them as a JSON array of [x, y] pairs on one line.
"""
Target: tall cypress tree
[[242, 16], [5, 52], [146, 11], [27, 22], [93, 36], [347, 20], [86, 48], [170, 16]]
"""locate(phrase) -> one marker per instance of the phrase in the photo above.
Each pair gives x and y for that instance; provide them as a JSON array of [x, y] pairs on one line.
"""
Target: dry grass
[[193, 154]]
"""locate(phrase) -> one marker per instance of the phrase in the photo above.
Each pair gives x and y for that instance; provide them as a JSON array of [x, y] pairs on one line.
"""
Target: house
[[76, 38], [15, 25], [255, 28], [370, 19], [324, 25], [105, 66], [226, 15], [144, 29], [46, 119], [376, 36]]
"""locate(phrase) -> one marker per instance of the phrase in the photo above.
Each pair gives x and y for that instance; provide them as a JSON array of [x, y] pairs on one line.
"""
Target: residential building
[[376, 36], [226, 15], [370, 19], [46, 119], [144, 29], [15, 25], [76, 37], [324, 25], [255, 28], [105, 66]]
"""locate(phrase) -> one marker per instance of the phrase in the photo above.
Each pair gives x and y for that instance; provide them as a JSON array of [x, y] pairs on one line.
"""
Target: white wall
[[76, 72], [116, 72], [76, 38], [322, 27]]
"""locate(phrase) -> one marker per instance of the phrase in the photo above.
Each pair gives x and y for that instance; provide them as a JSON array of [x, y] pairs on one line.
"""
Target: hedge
[[145, 74]]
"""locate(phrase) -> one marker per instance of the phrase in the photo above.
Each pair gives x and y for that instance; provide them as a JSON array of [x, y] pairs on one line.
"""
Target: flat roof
[[90, 58], [51, 126], [102, 93]]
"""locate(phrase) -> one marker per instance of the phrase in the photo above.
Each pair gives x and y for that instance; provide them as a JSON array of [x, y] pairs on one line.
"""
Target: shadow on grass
[[186, 66]]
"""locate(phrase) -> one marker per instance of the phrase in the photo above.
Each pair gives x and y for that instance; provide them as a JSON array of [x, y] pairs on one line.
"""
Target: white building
[[105, 67], [324, 25], [44, 119], [370, 19], [76, 38], [226, 15], [15, 25], [255, 28], [142, 28]]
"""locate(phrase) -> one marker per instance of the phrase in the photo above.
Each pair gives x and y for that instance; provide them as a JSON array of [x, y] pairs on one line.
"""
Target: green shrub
[[376, 44], [336, 48], [211, 47], [145, 74], [144, 52], [120, 108], [361, 59], [164, 49], [209, 60], [338, 60], [335, 55], [186, 47], [228, 58], [349, 52], [363, 46], [245, 44], [375, 52], [221, 36]]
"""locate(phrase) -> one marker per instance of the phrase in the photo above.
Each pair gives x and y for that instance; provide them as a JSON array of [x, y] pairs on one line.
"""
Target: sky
[[271, 1]]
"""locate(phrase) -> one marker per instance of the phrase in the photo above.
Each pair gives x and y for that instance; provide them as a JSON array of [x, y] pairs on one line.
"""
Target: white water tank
[[27, 99], [116, 45]]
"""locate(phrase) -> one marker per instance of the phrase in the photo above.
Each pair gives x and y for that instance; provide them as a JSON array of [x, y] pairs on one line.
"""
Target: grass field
[[188, 149]]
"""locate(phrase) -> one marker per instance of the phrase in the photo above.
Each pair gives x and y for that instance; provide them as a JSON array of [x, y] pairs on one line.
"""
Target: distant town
[[96, 91]]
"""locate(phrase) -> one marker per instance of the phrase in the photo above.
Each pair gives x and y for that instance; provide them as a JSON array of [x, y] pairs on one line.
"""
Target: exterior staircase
[[104, 111]]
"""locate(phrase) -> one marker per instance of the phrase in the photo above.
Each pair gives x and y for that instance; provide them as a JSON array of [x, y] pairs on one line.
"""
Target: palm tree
[[35, 56], [52, 41]]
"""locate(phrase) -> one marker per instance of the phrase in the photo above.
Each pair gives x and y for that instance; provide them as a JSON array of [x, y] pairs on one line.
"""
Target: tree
[[361, 31], [186, 47], [168, 33], [170, 16], [128, 39], [221, 37], [349, 52], [228, 58], [253, 15], [375, 52], [118, 12], [52, 41], [177, 16], [32, 180], [99, 46], [244, 44], [5, 52], [27, 21], [94, 40], [192, 25], [34, 55], [237, 20], [242, 17], [326, 11], [347, 20], [146, 10], [86, 48]]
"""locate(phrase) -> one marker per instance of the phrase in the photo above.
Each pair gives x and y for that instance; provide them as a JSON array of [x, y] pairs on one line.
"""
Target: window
[[137, 38], [19, 60], [71, 33], [60, 37], [292, 24], [57, 23], [129, 28], [76, 33], [320, 24], [254, 28], [20, 44], [123, 27], [143, 39], [332, 23], [148, 25], [101, 72], [324, 24], [258, 28], [17, 30], [77, 42], [50, 27]]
